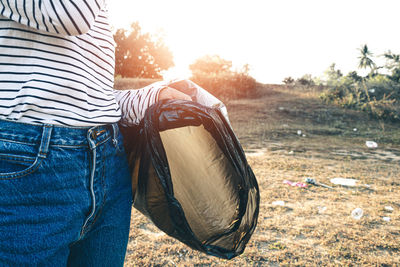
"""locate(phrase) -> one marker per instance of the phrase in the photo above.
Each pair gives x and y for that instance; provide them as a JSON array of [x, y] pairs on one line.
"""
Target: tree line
[[142, 55], [139, 54], [377, 92]]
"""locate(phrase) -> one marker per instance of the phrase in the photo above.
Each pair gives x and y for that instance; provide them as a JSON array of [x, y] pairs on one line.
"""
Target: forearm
[[65, 17], [134, 103]]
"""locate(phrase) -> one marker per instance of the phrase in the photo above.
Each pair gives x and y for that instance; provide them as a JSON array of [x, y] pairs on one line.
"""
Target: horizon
[[277, 39]]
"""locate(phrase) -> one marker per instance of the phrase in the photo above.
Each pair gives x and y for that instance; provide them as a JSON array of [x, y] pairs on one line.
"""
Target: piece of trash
[[389, 208], [386, 219], [344, 181], [299, 132], [278, 203], [371, 144], [281, 108], [291, 152], [372, 90], [297, 184], [357, 213], [304, 135], [285, 125], [314, 182], [355, 130], [321, 209]]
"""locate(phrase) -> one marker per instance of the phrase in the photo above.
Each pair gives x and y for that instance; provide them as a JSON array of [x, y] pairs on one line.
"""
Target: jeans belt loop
[[45, 141], [115, 134], [91, 137]]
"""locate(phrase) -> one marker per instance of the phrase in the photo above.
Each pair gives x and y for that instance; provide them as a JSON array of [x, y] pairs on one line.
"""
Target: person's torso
[[62, 80]]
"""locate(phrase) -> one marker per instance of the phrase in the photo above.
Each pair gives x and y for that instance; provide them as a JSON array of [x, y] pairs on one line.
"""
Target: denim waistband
[[58, 135]]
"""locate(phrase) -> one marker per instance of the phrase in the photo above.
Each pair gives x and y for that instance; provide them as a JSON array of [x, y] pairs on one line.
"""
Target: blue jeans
[[65, 196]]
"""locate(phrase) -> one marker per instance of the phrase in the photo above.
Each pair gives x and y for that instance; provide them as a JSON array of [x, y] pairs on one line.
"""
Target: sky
[[277, 38]]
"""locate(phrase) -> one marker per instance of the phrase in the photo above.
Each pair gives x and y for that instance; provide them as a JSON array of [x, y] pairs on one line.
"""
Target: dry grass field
[[314, 225]]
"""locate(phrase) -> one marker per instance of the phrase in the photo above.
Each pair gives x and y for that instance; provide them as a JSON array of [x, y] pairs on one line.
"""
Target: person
[[65, 189]]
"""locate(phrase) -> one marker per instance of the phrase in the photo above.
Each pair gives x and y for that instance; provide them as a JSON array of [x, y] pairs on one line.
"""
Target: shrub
[[288, 81], [395, 75], [227, 85], [211, 64], [384, 108], [377, 95], [380, 86], [354, 76], [215, 74], [305, 81]]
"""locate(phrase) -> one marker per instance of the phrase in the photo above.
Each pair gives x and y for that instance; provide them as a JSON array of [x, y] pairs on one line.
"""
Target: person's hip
[[54, 183]]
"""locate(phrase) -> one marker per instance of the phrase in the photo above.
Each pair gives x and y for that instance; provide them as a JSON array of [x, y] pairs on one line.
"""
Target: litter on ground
[[344, 181], [371, 144], [314, 182], [389, 208], [278, 203], [357, 213], [297, 184], [321, 209]]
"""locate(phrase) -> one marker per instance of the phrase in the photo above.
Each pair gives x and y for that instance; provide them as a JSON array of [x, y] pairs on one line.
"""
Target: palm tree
[[366, 62], [394, 60], [365, 59]]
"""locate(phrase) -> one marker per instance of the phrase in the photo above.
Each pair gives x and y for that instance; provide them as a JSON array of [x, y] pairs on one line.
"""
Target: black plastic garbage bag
[[192, 177]]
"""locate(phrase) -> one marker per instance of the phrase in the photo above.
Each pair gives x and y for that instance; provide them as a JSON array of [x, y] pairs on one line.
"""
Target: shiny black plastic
[[154, 188]]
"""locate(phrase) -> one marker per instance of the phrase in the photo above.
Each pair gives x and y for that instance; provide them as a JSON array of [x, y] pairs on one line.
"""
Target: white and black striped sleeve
[[65, 17], [134, 103]]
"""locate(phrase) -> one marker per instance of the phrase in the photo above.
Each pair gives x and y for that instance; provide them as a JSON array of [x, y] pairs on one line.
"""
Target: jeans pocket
[[17, 159]]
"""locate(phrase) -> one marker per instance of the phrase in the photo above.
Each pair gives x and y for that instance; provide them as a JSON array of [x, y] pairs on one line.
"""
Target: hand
[[171, 93]]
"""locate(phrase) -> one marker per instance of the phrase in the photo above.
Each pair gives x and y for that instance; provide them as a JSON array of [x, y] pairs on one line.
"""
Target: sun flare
[[276, 38]]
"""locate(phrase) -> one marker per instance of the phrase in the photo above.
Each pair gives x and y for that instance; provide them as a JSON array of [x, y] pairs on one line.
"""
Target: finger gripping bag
[[191, 178]]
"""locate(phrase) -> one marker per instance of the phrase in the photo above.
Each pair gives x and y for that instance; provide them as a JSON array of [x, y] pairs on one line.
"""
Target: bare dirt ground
[[313, 226]]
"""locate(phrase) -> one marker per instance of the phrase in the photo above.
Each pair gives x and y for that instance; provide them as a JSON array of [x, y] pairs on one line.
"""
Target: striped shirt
[[57, 65]]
